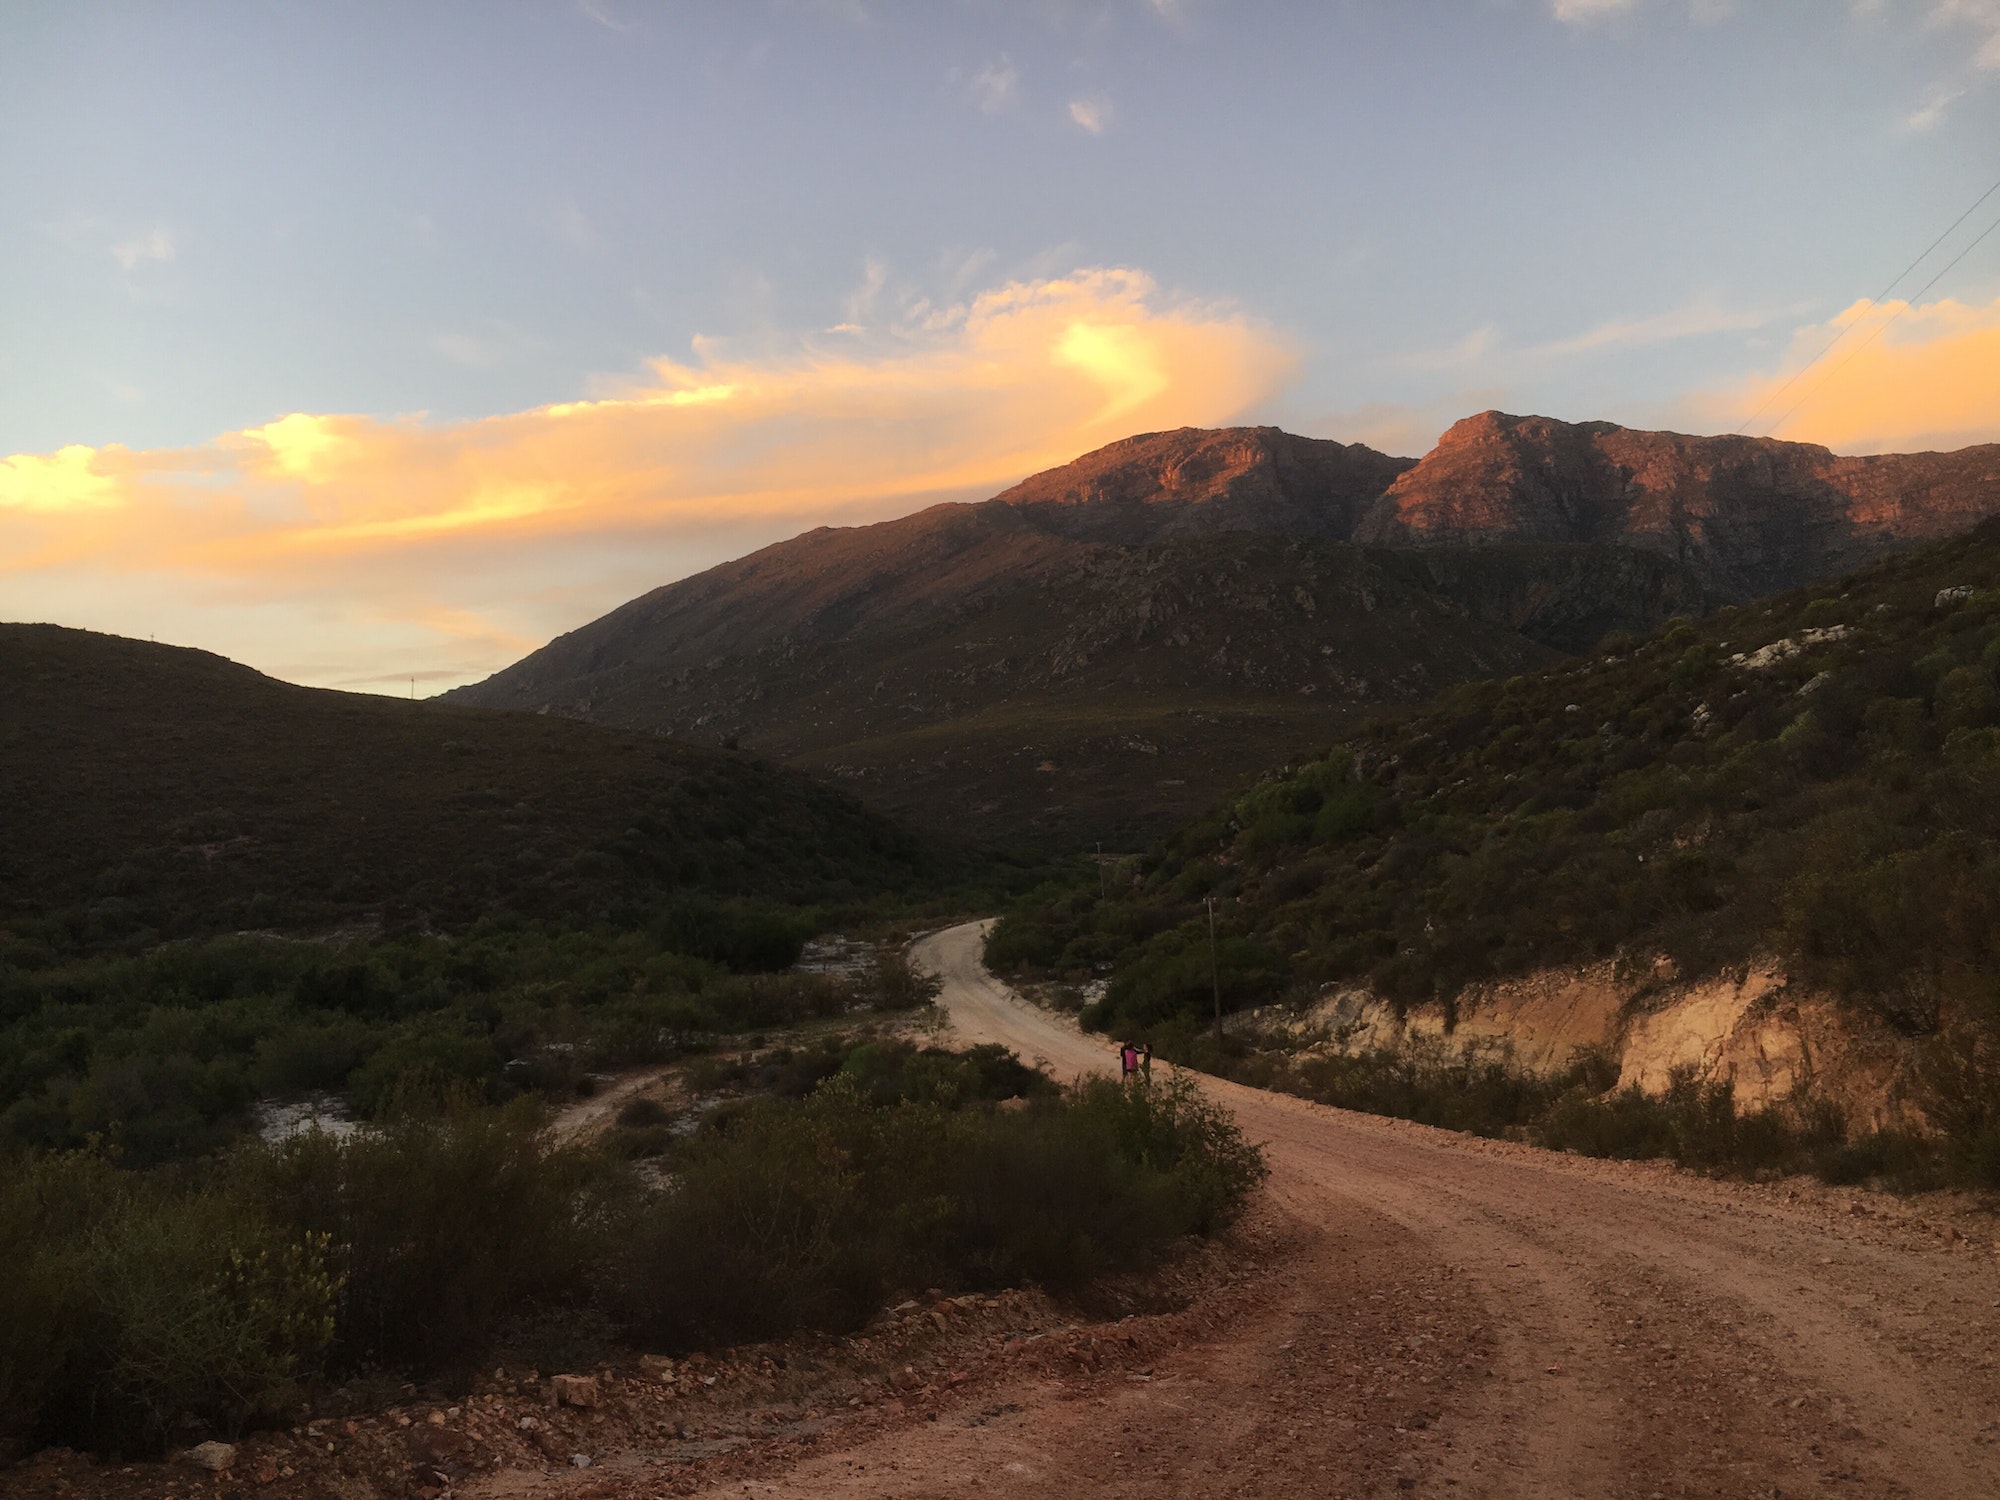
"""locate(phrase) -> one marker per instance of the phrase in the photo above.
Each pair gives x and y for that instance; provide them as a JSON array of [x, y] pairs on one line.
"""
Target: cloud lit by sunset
[[1899, 379], [425, 534], [335, 344]]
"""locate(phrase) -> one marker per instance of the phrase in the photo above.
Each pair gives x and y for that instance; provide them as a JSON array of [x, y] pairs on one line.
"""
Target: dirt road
[[1441, 1315]]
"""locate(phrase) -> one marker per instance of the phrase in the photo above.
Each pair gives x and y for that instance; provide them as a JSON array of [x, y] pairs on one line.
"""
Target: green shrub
[[812, 1214], [422, 1068], [642, 1111], [133, 1312], [146, 1308], [441, 1227]]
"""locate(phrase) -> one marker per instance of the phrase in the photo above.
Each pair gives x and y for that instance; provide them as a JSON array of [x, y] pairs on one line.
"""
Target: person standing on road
[[1128, 1061]]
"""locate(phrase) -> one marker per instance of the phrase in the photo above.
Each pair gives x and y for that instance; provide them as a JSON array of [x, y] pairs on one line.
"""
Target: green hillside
[[1816, 776], [153, 792], [217, 889]]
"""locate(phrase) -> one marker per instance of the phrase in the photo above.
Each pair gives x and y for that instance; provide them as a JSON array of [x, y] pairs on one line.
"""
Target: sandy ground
[[1455, 1316]]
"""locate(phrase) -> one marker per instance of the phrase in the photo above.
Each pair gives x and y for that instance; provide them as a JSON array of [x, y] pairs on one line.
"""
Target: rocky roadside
[[673, 1419]]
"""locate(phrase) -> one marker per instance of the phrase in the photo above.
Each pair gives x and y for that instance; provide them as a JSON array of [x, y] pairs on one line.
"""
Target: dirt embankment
[[1751, 1027]]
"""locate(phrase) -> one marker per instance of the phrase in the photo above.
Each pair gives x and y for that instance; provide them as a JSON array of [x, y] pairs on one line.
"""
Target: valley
[[837, 749]]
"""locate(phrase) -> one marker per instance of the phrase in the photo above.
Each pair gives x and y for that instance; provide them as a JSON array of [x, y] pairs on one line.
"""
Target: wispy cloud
[[602, 13], [1474, 347], [995, 86], [1092, 114], [861, 302], [1692, 320], [1930, 114], [1980, 16], [323, 546], [1588, 12], [1591, 12], [155, 244], [1696, 319]]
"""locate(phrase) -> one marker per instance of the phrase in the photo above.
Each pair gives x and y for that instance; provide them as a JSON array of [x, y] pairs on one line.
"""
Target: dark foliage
[[164, 1053], [156, 793], [147, 1308], [1838, 803]]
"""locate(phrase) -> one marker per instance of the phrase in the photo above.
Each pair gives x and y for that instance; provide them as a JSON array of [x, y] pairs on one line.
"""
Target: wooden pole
[[1214, 969]]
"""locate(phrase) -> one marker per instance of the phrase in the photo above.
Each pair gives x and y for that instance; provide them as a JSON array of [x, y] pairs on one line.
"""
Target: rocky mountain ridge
[[1266, 586], [1750, 516]]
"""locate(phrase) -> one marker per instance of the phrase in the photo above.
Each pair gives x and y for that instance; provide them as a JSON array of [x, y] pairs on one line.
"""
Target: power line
[[1779, 393], [1883, 327]]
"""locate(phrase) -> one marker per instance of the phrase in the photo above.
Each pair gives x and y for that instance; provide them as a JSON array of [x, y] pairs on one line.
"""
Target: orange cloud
[[1901, 379], [341, 548]]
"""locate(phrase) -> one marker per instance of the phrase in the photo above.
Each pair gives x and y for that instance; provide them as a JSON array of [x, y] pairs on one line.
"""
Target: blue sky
[[418, 218]]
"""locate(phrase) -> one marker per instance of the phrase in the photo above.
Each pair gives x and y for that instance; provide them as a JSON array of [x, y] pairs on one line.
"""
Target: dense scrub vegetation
[[165, 1054], [155, 793], [144, 1308], [217, 889], [1815, 776], [1694, 1122]]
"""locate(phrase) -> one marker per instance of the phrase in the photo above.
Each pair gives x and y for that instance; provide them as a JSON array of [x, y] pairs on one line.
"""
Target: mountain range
[[1099, 651]]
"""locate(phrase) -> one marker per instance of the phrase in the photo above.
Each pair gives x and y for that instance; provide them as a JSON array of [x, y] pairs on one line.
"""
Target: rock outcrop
[[1774, 1042], [1748, 516]]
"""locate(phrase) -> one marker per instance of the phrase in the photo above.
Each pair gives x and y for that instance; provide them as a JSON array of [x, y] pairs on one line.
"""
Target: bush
[[813, 1214], [142, 1309], [133, 1312], [441, 1227], [641, 1112]]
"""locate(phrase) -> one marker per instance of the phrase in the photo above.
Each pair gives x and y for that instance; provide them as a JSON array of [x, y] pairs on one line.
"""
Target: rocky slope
[[1099, 651], [1749, 516]]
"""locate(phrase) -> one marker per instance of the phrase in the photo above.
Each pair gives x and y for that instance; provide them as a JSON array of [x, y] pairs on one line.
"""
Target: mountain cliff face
[[1164, 485], [1108, 645], [1749, 516]]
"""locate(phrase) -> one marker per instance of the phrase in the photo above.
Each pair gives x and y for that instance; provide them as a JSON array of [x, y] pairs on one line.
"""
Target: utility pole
[[1214, 970]]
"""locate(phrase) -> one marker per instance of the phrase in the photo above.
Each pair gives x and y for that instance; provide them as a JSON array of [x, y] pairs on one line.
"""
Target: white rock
[[215, 1457]]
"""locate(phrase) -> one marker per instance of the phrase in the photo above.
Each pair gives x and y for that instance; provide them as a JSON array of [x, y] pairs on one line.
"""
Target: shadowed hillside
[[154, 791], [1812, 777]]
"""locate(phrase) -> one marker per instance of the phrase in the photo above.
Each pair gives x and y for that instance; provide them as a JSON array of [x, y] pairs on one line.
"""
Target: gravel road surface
[[1452, 1316]]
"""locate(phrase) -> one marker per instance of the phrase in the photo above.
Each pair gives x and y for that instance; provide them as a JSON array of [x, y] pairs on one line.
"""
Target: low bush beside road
[[147, 1309]]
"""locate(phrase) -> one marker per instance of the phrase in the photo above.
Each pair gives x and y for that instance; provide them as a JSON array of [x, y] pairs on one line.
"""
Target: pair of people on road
[[1135, 1061]]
